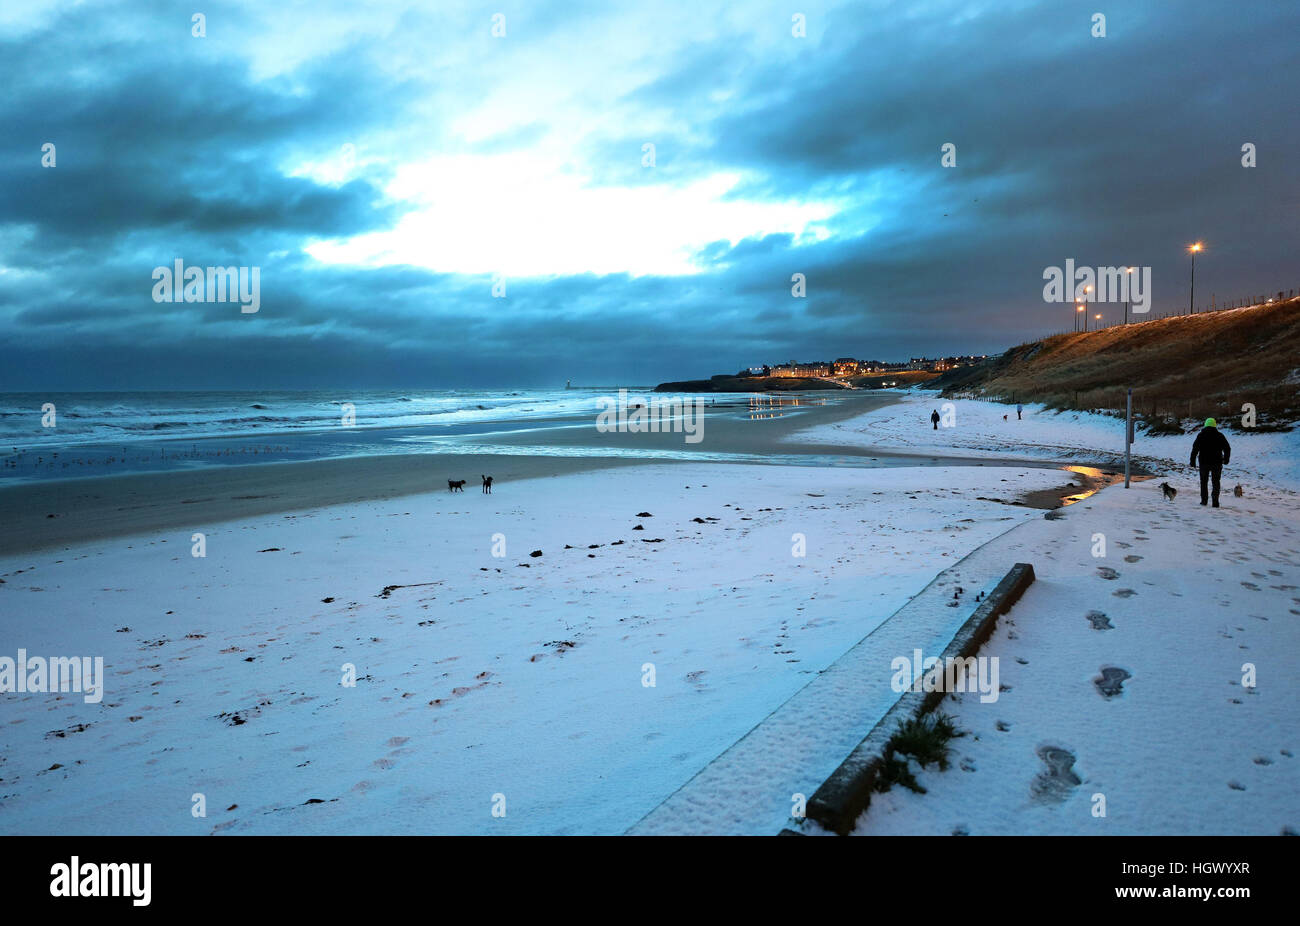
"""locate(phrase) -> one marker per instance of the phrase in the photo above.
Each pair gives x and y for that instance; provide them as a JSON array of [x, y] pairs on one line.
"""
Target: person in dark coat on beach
[[934, 418], [1213, 450]]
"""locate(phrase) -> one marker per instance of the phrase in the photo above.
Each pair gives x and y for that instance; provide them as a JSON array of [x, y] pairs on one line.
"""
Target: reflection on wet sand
[[771, 405], [1093, 480]]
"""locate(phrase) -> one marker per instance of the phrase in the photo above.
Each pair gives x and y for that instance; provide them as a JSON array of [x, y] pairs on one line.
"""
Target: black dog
[[454, 485], [1169, 491], [487, 484]]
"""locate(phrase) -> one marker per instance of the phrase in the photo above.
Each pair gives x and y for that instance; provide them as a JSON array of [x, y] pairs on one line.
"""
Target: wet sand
[[113, 506], [55, 513]]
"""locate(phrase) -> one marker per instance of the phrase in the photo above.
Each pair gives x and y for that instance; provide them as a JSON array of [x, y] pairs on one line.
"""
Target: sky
[[446, 195]]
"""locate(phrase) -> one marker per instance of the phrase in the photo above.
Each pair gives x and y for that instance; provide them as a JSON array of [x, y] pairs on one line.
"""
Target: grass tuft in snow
[[925, 739], [896, 772]]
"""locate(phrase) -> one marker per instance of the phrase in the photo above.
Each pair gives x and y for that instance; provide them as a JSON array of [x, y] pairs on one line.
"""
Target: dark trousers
[[1212, 472], [936, 425]]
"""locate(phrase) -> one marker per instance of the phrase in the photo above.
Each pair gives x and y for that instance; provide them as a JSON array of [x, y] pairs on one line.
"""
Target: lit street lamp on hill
[[1191, 299]]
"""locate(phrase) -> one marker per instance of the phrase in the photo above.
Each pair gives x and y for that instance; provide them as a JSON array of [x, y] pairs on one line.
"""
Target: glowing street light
[[1191, 299]]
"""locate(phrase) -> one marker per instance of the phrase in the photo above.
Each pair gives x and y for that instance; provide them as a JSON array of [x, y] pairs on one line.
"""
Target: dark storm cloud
[[170, 143], [1112, 151]]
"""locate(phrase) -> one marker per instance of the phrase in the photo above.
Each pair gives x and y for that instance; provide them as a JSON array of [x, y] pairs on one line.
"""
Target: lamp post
[[1191, 299], [1128, 436], [1128, 297], [1077, 310], [1098, 317]]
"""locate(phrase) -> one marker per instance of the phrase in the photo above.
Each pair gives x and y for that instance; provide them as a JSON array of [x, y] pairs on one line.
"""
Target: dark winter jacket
[[1212, 447]]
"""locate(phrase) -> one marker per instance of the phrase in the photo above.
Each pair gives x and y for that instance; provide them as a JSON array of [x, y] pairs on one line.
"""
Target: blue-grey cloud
[[1112, 151]]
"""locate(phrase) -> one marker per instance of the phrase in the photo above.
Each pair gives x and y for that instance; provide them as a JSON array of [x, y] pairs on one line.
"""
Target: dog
[[1238, 491], [487, 484], [1169, 491], [455, 485], [1004, 417]]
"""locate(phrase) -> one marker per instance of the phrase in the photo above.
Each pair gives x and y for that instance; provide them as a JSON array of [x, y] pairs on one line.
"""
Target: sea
[[80, 434]]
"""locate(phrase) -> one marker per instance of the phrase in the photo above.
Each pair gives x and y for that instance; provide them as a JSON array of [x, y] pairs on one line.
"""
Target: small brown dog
[[1238, 491], [1169, 491]]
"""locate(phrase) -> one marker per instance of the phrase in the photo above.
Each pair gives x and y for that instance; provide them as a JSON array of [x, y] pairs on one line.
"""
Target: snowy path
[[1185, 601], [755, 786]]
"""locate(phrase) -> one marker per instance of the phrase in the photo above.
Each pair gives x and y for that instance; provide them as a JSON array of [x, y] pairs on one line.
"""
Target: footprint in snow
[[1111, 681], [1059, 779], [1099, 620]]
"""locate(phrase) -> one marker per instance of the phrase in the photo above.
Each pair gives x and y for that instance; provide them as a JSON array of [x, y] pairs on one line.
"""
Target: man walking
[[1019, 408], [934, 419], [1214, 451]]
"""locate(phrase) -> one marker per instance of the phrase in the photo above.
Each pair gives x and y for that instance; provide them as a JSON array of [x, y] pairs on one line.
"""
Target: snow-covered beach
[[672, 608]]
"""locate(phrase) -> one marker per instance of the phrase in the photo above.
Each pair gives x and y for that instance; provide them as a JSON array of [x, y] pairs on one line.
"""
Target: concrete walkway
[[750, 788]]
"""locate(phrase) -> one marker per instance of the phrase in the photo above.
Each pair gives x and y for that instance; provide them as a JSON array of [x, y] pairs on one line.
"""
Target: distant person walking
[[934, 418], [1019, 408], [1214, 451]]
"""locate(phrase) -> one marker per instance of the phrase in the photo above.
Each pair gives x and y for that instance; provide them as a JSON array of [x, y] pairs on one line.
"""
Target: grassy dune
[[899, 377], [1181, 369]]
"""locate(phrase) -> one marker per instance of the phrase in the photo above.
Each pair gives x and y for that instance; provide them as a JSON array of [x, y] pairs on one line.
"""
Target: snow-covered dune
[[977, 428]]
